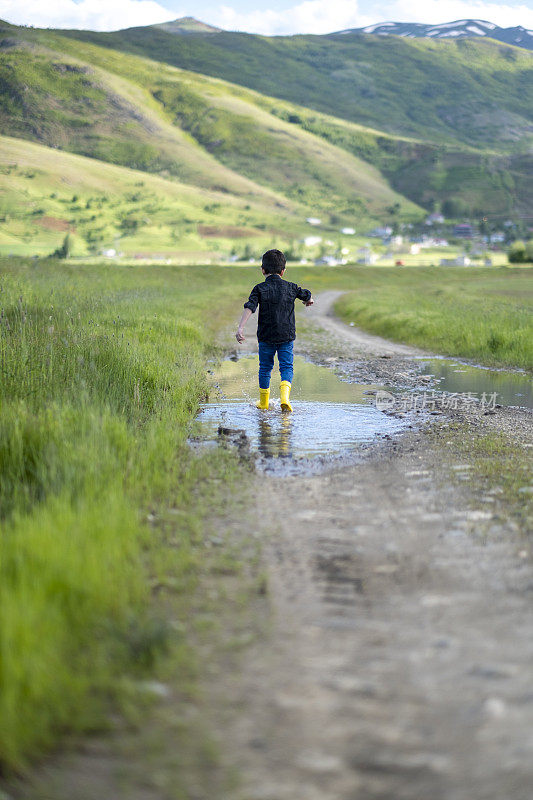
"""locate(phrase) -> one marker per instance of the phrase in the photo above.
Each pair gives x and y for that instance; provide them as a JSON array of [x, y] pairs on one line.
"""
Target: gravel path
[[375, 346], [399, 663]]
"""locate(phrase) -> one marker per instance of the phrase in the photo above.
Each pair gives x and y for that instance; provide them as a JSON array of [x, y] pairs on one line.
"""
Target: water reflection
[[237, 380], [512, 388], [275, 436], [330, 416]]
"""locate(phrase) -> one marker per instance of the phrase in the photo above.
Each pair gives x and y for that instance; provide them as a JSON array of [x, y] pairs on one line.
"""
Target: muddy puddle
[[330, 417], [512, 388]]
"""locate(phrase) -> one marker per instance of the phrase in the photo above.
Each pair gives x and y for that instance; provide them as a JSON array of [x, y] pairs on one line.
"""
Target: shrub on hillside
[[66, 248], [521, 252]]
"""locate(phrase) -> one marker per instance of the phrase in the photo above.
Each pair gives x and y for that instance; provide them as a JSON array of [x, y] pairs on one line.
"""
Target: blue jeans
[[266, 362]]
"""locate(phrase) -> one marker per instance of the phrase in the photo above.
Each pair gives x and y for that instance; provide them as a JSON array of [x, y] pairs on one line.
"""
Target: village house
[[328, 261], [366, 256], [381, 233], [434, 219], [460, 261], [464, 230]]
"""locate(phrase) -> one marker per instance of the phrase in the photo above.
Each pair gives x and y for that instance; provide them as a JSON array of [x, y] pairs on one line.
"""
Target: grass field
[[480, 313], [102, 372]]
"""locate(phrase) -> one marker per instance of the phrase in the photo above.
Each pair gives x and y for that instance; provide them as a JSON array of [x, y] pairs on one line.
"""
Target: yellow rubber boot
[[284, 393], [264, 396]]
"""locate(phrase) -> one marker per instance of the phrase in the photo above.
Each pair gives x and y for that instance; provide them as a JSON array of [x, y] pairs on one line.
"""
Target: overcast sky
[[272, 17]]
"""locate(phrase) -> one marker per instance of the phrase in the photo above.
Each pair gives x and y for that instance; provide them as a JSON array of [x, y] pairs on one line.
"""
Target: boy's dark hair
[[273, 262]]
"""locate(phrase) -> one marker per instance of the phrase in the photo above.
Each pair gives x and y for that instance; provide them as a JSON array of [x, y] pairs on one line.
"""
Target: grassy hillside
[[474, 92], [73, 105], [474, 182], [204, 134], [133, 112], [132, 101], [46, 193]]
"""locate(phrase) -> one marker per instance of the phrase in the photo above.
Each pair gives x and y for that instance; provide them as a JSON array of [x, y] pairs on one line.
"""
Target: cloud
[[310, 16], [325, 16], [307, 16], [97, 15], [436, 11]]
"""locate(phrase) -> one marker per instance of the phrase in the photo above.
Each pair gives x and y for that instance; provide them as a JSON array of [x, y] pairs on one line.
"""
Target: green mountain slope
[[249, 167], [75, 105], [46, 193], [460, 111], [474, 92], [127, 110]]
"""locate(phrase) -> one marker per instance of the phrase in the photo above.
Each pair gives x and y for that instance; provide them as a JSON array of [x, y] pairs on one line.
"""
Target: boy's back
[[275, 298]]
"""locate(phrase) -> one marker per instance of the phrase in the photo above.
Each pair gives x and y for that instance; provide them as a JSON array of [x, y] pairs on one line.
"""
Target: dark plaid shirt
[[275, 298]]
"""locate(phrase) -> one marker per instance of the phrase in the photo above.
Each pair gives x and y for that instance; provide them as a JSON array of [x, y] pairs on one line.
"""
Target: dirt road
[[399, 663], [366, 343]]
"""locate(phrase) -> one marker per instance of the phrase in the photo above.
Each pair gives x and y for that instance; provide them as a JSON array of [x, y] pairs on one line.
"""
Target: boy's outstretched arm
[[305, 296], [249, 308], [246, 314]]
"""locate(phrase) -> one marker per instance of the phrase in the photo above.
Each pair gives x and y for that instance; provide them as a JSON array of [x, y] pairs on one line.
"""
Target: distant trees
[[66, 248], [130, 223], [521, 252], [455, 208]]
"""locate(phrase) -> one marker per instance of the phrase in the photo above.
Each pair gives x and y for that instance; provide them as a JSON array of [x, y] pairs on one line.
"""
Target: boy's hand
[[310, 302], [240, 336]]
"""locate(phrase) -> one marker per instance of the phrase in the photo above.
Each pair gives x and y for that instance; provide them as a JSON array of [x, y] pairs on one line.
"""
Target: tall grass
[[483, 314], [101, 373]]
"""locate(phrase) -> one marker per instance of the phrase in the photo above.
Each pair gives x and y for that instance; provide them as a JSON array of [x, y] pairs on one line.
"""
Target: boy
[[276, 329]]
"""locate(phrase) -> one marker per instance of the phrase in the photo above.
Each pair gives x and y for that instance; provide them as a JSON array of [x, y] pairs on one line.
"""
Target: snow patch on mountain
[[461, 28]]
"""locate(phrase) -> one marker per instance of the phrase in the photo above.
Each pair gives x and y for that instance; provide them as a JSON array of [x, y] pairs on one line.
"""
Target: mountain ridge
[[186, 26], [517, 36], [467, 91]]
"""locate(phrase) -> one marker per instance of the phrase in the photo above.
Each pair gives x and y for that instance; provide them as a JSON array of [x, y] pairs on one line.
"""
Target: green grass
[[101, 499], [482, 314], [47, 192], [102, 372]]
